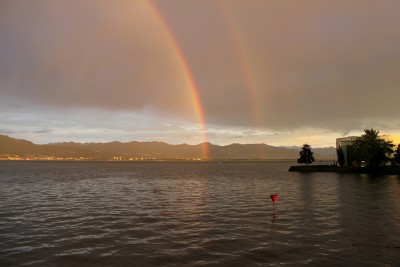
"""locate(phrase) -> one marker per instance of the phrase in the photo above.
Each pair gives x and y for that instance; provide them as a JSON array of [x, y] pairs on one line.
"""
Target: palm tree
[[371, 149], [397, 155]]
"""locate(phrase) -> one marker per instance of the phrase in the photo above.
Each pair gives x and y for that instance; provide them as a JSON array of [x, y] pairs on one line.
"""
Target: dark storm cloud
[[91, 53], [330, 64], [326, 64]]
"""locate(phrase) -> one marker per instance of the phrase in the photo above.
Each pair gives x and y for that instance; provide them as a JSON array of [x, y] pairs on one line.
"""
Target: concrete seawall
[[390, 170]]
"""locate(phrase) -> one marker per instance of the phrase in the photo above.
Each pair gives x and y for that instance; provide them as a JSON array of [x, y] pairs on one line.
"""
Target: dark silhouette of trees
[[397, 155], [340, 156], [372, 149], [306, 155]]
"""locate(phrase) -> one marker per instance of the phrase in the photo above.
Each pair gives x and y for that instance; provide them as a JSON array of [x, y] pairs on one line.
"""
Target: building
[[346, 144]]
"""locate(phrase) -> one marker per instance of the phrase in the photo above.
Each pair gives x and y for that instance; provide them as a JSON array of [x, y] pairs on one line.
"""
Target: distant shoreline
[[388, 170], [146, 160], [16, 149]]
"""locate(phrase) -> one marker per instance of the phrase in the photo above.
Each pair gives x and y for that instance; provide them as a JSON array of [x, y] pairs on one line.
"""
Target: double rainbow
[[186, 71]]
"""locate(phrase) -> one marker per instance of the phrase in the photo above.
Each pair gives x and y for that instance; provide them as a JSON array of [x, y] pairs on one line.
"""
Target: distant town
[[44, 157], [17, 149]]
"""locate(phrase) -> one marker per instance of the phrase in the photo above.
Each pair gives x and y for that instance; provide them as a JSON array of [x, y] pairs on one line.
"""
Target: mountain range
[[11, 148]]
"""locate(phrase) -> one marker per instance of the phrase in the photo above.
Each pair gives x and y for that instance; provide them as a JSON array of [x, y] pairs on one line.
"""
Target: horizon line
[[158, 141]]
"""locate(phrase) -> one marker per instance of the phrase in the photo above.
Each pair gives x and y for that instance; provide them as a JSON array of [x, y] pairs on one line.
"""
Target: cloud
[[305, 64], [96, 53], [313, 63]]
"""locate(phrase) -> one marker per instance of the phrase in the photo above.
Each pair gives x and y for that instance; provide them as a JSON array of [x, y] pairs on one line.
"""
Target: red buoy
[[274, 198]]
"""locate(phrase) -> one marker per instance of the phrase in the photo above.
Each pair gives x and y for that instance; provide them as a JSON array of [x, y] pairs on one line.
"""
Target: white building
[[347, 142]]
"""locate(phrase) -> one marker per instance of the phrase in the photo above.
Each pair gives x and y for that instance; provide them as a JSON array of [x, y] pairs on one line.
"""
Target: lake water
[[194, 214]]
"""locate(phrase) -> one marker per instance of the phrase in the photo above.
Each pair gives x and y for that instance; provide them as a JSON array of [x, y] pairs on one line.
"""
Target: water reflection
[[274, 217], [367, 208], [157, 214], [394, 196]]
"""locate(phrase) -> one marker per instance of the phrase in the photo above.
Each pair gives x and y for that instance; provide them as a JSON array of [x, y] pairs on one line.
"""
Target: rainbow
[[188, 77], [244, 62]]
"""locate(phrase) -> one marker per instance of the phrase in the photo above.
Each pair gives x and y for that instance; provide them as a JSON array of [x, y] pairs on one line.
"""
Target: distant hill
[[15, 148]]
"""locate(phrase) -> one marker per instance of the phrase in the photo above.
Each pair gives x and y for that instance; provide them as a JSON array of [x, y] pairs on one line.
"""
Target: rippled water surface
[[194, 214]]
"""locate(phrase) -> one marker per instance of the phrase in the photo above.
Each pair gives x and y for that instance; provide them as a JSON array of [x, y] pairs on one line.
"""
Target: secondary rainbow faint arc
[[188, 76], [244, 62]]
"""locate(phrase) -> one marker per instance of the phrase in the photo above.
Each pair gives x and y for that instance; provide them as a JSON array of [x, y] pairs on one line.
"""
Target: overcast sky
[[274, 72]]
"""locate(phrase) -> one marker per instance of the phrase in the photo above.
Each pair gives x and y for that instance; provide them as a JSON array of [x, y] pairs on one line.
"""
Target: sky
[[283, 73]]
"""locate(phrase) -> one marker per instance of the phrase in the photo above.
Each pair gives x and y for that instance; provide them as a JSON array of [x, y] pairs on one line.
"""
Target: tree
[[340, 156], [372, 149], [397, 154], [306, 155]]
